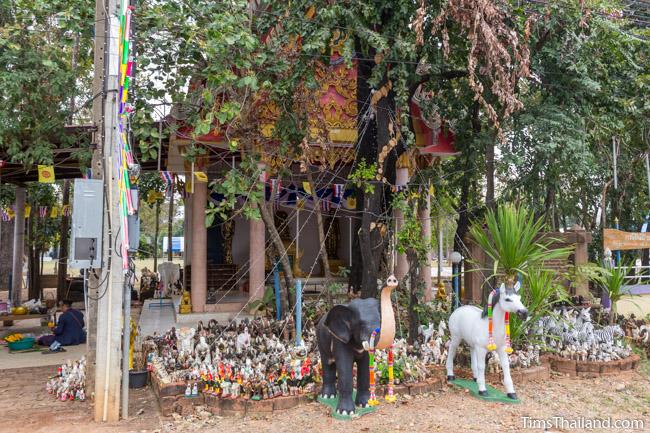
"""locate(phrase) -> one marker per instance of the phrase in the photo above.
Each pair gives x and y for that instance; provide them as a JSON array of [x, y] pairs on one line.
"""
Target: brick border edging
[[171, 399], [592, 368]]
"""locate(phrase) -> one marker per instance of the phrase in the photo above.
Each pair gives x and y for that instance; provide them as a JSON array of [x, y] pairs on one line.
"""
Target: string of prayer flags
[[307, 187], [54, 212], [42, 211], [46, 174]]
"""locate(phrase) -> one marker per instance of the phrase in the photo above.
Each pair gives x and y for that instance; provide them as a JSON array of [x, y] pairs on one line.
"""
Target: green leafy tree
[[45, 71]]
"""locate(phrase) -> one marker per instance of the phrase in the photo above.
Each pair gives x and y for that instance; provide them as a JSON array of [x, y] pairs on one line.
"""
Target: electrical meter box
[[87, 224]]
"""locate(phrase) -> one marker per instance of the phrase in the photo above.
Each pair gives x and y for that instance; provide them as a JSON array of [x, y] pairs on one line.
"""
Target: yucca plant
[[540, 293], [513, 238], [612, 281]]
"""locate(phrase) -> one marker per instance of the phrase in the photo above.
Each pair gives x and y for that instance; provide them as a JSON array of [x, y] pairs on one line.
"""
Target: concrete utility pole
[[108, 289]]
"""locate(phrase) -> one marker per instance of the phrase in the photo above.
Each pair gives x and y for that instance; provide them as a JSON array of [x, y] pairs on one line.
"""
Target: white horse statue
[[468, 323]]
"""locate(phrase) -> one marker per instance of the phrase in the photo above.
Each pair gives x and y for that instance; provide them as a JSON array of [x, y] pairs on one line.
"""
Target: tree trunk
[[155, 238], [549, 203], [321, 239], [62, 271], [489, 175], [267, 217], [170, 225], [415, 283]]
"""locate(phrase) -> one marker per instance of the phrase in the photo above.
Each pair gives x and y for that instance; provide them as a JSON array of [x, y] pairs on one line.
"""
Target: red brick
[[172, 389], [420, 388], [233, 413], [260, 406], [588, 367], [234, 405], [184, 406], [282, 403], [563, 365], [612, 367], [166, 405]]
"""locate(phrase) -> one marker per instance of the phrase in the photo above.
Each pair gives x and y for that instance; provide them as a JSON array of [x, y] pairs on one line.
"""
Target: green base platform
[[358, 411], [494, 395]]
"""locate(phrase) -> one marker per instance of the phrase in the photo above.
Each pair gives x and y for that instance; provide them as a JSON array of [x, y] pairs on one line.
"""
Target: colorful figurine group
[[70, 381]]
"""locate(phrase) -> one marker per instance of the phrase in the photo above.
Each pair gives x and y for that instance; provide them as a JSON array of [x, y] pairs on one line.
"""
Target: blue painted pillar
[[618, 252], [276, 283], [298, 312]]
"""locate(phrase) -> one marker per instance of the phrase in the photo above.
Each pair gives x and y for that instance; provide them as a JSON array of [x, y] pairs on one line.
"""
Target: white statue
[[186, 336], [470, 324], [243, 340], [202, 351]]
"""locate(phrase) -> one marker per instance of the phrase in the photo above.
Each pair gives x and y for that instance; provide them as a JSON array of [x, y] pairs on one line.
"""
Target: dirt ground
[[26, 407]]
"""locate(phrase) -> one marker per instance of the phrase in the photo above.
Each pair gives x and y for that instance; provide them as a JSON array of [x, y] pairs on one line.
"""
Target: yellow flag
[[300, 203], [11, 213], [46, 173], [200, 176], [352, 202], [55, 212], [28, 210], [307, 187]]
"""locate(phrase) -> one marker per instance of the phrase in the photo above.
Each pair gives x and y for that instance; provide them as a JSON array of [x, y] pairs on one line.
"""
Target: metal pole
[[298, 312]]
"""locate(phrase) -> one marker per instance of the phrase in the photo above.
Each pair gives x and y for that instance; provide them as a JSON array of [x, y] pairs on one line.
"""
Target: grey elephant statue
[[343, 339]]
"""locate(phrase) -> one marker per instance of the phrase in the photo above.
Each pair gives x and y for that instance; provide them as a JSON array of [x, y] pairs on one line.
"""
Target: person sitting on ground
[[70, 329]]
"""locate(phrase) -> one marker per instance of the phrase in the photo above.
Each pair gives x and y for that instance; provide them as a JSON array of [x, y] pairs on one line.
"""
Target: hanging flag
[[168, 178], [46, 173], [5, 215], [42, 211], [55, 212], [351, 202], [307, 187], [11, 213], [28, 210], [66, 210], [201, 176], [300, 203], [326, 205]]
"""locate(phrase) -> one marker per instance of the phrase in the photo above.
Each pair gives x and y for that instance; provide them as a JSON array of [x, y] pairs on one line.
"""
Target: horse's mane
[[495, 300]]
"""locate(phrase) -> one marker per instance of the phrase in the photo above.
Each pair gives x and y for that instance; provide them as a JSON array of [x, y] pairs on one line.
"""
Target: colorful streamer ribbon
[[372, 401]]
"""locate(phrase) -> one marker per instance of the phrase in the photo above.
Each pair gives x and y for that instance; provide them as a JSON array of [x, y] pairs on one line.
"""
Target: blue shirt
[[70, 329]]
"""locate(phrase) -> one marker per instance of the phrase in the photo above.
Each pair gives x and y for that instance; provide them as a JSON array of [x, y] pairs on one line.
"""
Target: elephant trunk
[[387, 328]]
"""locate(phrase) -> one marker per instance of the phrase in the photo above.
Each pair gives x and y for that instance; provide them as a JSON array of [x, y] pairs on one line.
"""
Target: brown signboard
[[620, 240]]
